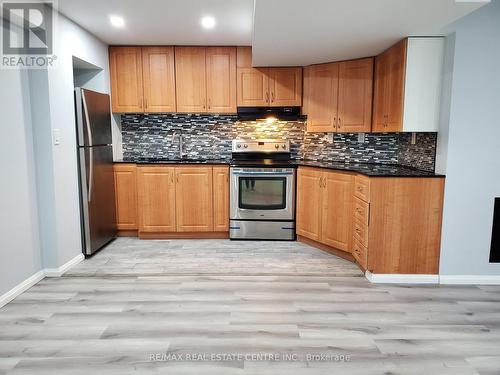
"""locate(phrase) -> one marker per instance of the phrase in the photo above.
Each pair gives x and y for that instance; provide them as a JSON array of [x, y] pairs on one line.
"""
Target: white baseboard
[[32, 280], [470, 279], [56, 272], [20, 288], [393, 278]]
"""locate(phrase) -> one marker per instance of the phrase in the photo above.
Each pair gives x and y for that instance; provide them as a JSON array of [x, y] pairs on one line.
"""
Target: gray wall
[[469, 150], [19, 251]]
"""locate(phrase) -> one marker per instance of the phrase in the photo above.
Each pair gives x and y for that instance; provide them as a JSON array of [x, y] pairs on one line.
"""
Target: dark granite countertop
[[370, 169], [367, 169], [174, 161]]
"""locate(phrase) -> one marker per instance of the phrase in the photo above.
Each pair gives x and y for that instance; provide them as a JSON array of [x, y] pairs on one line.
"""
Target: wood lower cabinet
[[336, 216], [390, 225], [221, 198], [156, 193], [324, 201], [194, 201], [125, 65], [126, 196], [172, 200], [309, 197]]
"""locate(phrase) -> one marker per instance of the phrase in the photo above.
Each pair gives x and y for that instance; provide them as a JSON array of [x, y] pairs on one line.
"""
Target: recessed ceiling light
[[208, 22], [117, 21]]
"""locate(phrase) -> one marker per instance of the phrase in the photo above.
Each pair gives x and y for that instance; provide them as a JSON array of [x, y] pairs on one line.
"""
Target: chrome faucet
[[180, 143]]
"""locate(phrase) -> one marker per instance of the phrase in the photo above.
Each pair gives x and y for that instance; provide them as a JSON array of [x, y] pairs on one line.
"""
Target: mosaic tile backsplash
[[210, 136]]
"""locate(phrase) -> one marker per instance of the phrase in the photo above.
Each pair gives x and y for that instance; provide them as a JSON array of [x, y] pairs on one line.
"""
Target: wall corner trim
[[470, 279], [57, 272], [392, 278], [21, 287]]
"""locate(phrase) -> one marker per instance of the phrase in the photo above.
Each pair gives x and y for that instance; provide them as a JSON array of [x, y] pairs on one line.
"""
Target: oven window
[[262, 193]]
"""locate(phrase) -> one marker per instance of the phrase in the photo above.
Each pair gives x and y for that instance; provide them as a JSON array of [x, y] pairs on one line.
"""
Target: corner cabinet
[[268, 87], [407, 90], [338, 96], [324, 207]]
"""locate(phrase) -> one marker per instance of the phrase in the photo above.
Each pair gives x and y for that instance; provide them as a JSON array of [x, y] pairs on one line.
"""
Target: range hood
[[262, 113]]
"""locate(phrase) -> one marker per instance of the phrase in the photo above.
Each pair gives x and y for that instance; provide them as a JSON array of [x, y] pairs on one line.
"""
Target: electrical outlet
[[361, 137], [413, 138], [330, 138], [56, 137]]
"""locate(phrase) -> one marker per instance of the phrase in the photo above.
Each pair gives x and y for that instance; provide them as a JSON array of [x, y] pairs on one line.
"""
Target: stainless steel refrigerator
[[95, 162]]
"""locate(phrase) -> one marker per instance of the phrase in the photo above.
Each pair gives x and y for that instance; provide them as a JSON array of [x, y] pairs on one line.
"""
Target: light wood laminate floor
[[141, 307]]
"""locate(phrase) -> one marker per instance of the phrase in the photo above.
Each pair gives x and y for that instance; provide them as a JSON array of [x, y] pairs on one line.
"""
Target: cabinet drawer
[[361, 211], [362, 188], [361, 232], [360, 253]]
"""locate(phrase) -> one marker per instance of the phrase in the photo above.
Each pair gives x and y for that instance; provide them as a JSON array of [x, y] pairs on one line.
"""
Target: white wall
[[468, 149], [19, 251], [70, 40]]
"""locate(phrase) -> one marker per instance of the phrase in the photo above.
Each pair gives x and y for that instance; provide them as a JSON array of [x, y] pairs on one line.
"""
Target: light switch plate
[[361, 137], [330, 138], [56, 137], [413, 138]]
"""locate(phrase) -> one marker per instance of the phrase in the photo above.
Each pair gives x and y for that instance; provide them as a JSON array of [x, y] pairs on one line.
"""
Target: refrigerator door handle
[[87, 120], [91, 152]]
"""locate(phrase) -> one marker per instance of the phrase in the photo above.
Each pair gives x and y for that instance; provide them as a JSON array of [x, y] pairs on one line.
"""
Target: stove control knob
[[277, 146], [239, 146], [246, 146], [283, 146]]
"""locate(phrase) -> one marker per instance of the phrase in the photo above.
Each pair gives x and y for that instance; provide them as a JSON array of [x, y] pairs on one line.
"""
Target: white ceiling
[[168, 22], [302, 32], [282, 32]]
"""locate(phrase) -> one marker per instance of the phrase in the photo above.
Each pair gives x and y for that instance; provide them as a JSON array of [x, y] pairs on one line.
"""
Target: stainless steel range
[[262, 190]]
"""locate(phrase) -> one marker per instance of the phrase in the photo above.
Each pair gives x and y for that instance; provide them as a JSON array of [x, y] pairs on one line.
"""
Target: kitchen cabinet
[[182, 201], [355, 96], [221, 79], [194, 199], [156, 197], [273, 87], [221, 198], [205, 79], [339, 96], [158, 72], [190, 79], [309, 194], [322, 97], [125, 64], [407, 88], [324, 207], [125, 176]]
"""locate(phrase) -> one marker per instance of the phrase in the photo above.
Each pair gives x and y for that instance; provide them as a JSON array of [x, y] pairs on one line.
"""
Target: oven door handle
[[263, 173]]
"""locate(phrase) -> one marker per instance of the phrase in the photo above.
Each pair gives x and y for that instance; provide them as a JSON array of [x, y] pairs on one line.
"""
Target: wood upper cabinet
[[285, 87], [221, 198], [389, 89], [339, 96], [253, 87], [158, 72], [125, 65], [322, 97], [194, 199], [156, 197], [221, 79], [190, 79], [126, 196], [355, 96], [309, 203], [336, 216]]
